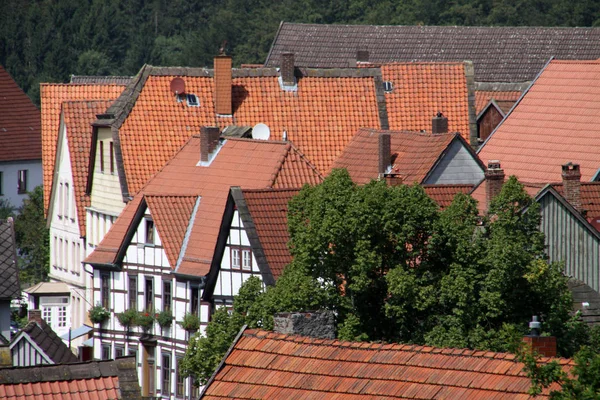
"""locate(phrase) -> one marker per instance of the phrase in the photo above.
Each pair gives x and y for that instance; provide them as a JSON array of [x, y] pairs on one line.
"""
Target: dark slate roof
[[499, 54], [9, 284], [49, 342], [113, 379], [103, 80]]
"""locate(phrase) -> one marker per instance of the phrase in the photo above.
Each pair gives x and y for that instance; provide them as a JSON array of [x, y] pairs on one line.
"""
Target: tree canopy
[[48, 41], [395, 268]]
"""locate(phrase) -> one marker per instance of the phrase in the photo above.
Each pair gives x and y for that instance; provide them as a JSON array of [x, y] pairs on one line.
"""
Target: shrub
[[127, 318], [164, 318], [145, 319], [98, 314], [190, 322]]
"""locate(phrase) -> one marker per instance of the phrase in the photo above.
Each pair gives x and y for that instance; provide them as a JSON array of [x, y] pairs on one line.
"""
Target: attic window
[[192, 100], [388, 86]]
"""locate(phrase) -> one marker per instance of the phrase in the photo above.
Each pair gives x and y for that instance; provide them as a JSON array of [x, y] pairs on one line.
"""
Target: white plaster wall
[[10, 173], [106, 191]]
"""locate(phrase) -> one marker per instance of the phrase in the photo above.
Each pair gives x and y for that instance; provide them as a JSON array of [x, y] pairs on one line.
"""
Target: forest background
[[49, 40]]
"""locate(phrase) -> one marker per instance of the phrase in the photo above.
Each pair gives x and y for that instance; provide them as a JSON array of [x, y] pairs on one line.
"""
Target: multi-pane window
[[105, 290], [167, 296], [149, 294], [166, 373], [106, 352], [246, 259], [133, 351], [235, 258], [149, 231], [22, 181], [112, 158], [47, 315], [101, 143], [133, 294], [119, 351], [179, 389], [62, 316]]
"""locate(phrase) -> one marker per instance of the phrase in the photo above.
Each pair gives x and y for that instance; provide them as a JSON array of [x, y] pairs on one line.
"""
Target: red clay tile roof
[[78, 116], [479, 193], [268, 210], [269, 365], [499, 54], [504, 98], [590, 198], [444, 194], [423, 89], [554, 123], [416, 154], [20, 133], [320, 117], [100, 380], [239, 162], [52, 97]]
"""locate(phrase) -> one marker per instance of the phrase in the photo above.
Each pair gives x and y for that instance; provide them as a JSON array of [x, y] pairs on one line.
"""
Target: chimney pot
[[287, 69], [385, 152], [439, 124], [494, 179], [571, 177], [222, 81], [35, 315], [209, 139], [362, 56], [320, 324]]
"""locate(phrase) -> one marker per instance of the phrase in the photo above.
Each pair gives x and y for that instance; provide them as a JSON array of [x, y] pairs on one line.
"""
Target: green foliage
[[33, 239], [45, 41], [128, 318], [98, 314], [164, 318], [6, 209], [145, 319], [190, 322]]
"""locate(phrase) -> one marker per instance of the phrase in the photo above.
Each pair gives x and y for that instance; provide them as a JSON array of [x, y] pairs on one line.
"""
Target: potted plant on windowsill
[[127, 318], [145, 319], [164, 318], [190, 322], [98, 314]]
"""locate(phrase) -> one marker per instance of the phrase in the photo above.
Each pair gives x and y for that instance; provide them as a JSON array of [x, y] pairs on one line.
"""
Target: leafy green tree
[[33, 239], [6, 209]]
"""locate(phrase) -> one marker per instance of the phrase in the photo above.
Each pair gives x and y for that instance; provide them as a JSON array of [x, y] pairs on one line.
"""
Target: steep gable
[[20, 134]]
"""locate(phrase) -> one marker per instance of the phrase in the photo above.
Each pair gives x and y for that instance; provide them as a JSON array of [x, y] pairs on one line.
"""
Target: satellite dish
[[178, 86], [261, 132]]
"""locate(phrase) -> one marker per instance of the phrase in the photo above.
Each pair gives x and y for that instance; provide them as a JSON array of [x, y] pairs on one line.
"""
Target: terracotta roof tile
[[590, 198], [78, 116], [421, 90], [268, 210], [358, 370], [444, 194], [504, 98], [499, 54], [479, 193], [554, 123], [52, 97], [415, 154], [101, 380], [239, 162], [20, 134]]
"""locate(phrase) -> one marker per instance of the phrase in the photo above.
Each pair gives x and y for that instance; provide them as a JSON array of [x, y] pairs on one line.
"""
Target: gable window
[[149, 231], [149, 294], [167, 296], [22, 181], [66, 199], [101, 156], [133, 293], [166, 374], [105, 290], [112, 158], [235, 258], [246, 260]]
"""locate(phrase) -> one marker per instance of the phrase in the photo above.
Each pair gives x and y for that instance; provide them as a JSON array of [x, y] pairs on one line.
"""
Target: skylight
[[192, 100]]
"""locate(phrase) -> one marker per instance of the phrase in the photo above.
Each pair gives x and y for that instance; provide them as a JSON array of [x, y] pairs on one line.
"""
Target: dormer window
[[149, 232], [388, 86], [192, 100]]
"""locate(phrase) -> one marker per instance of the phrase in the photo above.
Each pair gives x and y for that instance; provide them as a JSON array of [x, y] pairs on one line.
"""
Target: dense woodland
[[49, 40]]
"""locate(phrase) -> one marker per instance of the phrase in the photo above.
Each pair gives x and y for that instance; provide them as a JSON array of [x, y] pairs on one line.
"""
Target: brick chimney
[[223, 86], [319, 324], [545, 346], [287, 69], [35, 315], [571, 179], [494, 179], [385, 152], [439, 124], [209, 139], [362, 56]]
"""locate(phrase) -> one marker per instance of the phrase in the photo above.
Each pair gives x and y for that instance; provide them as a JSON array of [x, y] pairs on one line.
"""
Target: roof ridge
[[269, 190], [446, 26]]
